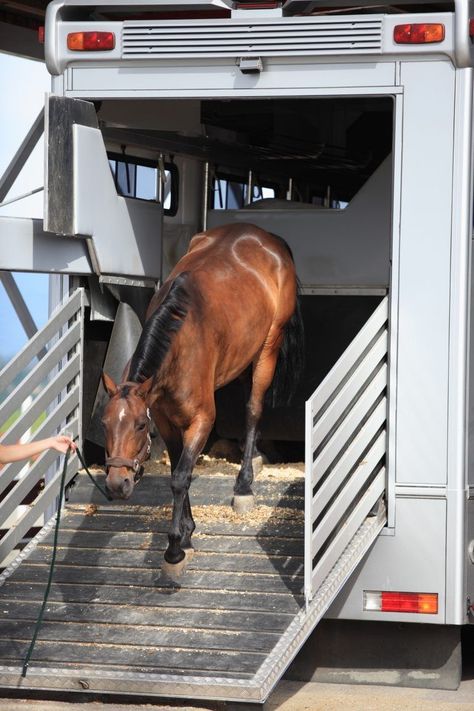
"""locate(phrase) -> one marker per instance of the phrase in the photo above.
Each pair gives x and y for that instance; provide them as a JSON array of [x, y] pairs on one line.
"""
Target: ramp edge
[[306, 620]]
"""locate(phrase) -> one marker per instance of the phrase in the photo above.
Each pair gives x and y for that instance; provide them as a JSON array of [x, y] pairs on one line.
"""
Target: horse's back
[[239, 245], [241, 266]]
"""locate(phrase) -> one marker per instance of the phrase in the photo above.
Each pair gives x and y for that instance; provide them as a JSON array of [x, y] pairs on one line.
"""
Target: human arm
[[17, 452]]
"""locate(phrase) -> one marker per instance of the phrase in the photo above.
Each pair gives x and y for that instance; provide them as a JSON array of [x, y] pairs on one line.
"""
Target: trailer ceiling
[[316, 142]]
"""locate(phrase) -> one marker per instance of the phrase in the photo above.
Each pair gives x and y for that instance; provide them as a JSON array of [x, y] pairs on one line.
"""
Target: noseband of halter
[[136, 465]]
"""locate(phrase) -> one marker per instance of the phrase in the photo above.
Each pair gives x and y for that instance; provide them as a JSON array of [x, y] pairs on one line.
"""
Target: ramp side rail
[[53, 387], [345, 448]]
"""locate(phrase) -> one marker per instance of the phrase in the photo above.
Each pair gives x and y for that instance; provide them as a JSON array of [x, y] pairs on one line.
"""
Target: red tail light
[[384, 601], [471, 28], [41, 34], [90, 41], [424, 33]]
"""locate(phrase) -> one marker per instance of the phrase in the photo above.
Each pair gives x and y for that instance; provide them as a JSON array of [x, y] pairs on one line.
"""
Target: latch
[[470, 609], [250, 65]]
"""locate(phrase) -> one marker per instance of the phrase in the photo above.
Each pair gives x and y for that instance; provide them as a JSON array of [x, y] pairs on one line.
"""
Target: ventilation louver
[[290, 37]]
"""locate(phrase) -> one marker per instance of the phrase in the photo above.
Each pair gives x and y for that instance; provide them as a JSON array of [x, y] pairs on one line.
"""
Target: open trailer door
[[123, 234], [346, 421]]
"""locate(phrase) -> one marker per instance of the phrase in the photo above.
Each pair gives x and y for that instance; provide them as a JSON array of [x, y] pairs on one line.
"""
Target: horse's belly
[[232, 364]]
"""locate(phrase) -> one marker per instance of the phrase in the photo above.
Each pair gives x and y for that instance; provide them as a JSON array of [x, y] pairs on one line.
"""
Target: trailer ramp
[[113, 623]]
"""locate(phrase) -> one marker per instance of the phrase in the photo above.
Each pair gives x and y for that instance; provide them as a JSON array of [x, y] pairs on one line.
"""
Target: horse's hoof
[[174, 571], [188, 554], [257, 464], [243, 503]]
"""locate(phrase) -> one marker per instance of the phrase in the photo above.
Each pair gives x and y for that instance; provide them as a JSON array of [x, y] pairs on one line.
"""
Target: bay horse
[[229, 303]]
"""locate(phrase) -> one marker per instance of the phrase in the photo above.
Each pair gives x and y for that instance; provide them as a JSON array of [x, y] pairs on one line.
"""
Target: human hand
[[61, 443]]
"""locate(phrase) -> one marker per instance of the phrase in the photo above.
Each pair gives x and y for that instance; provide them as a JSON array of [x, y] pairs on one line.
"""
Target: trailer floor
[[112, 614]]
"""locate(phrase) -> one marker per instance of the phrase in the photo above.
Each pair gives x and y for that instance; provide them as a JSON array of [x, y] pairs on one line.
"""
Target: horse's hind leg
[[263, 371], [246, 382]]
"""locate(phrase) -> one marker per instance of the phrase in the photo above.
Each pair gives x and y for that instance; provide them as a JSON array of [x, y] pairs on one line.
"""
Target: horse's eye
[[141, 426]]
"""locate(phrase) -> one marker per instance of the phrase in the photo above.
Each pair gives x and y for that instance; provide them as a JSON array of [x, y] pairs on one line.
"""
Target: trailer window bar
[[131, 179], [231, 192]]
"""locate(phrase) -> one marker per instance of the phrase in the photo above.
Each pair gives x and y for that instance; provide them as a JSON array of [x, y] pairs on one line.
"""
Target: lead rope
[[39, 621], [98, 486]]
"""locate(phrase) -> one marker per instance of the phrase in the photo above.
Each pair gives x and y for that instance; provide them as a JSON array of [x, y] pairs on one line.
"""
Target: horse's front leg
[[187, 526], [263, 371], [174, 444], [182, 523]]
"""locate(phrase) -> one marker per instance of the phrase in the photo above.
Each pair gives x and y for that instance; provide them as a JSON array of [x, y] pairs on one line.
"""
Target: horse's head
[[126, 421]]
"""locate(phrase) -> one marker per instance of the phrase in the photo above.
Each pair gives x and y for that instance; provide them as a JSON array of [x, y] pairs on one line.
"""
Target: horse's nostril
[[126, 481]]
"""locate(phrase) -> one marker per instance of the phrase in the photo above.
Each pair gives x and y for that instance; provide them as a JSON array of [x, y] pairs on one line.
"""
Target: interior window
[[231, 194], [142, 179]]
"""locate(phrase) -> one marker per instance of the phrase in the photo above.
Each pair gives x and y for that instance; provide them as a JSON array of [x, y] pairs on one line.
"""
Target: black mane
[[158, 331]]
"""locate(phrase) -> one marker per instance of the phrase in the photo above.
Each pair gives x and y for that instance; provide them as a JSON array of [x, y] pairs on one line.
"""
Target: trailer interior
[[315, 171]]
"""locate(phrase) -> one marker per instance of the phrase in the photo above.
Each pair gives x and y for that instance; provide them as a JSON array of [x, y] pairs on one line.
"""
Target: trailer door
[[346, 433], [81, 201]]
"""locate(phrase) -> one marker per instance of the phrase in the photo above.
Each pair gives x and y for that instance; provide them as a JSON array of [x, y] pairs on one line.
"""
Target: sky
[[23, 84]]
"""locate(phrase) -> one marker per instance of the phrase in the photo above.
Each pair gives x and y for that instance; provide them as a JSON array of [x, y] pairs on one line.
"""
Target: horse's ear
[[109, 384], [144, 388]]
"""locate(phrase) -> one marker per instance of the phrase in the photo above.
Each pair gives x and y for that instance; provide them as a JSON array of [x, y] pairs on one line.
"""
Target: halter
[[136, 465]]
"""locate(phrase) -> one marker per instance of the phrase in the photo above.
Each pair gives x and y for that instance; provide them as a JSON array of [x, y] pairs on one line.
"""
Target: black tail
[[291, 360]]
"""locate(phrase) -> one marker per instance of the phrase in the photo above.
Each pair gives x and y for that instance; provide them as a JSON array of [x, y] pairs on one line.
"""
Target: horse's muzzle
[[119, 487]]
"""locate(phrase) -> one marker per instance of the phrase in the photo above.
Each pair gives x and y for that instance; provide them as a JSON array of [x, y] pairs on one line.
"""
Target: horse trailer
[[345, 128]]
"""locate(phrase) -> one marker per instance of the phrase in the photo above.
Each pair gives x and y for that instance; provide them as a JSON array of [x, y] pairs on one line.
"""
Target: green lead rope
[[98, 486], [39, 621]]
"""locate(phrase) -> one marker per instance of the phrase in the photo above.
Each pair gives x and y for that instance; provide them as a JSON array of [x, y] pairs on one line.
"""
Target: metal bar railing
[[351, 457], [41, 371], [39, 340], [53, 422], [43, 400], [352, 354], [54, 386], [354, 520], [342, 501], [341, 401], [345, 456], [28, 520], [18, 303], [350, 424]]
